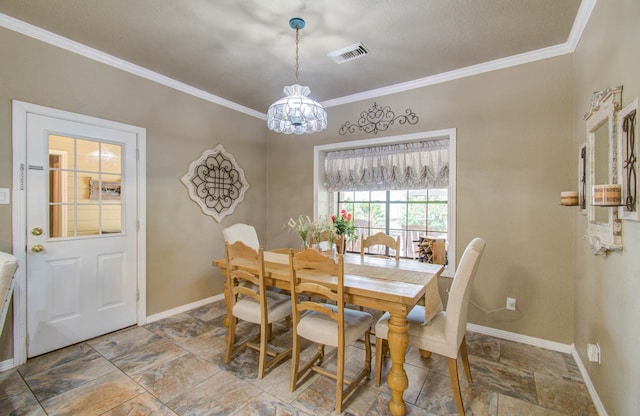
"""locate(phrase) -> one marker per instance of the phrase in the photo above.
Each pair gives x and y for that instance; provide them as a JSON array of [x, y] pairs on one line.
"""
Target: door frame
[[19, 207]]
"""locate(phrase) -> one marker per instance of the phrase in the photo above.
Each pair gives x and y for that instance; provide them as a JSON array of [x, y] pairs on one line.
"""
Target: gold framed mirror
[[604, 226]]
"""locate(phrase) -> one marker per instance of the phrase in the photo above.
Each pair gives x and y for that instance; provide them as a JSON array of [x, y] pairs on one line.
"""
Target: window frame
[[323, 202]]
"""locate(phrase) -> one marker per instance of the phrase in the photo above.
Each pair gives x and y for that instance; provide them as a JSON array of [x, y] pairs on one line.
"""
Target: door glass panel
[[111, 158], [88, 219], [85, 184], [88, 152]]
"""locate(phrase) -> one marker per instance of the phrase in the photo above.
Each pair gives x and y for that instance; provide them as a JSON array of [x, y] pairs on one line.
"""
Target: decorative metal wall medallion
[[378, 119], [216, 182]]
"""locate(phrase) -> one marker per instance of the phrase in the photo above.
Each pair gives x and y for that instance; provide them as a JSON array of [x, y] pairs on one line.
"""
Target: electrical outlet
[[511, 304], [593, 353]]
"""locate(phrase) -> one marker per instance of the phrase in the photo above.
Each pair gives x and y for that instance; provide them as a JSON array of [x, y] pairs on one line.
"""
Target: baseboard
[[183, 308], [6, 365], [523, 339], [587, 382]]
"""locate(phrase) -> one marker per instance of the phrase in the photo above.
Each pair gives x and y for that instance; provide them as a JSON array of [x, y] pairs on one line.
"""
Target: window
[[401, 185], [411, 214]]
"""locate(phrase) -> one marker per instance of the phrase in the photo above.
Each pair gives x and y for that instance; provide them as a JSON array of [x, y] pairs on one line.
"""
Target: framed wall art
[[216, 182]]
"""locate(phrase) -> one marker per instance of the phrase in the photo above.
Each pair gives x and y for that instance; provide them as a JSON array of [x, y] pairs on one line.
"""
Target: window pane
[[88, 219], [346, 206], [361, 214], [111, 217], [438, 217], [379, 195], [378, 216], [361, 196], [438, 194], [410, 214], [416, 216], [398, 196], [88, 155], [346, 196], [111, 158], [418, 195], [397, 213]]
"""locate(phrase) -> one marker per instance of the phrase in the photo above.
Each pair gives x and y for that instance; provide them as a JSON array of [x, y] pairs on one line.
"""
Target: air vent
[[349, 53]]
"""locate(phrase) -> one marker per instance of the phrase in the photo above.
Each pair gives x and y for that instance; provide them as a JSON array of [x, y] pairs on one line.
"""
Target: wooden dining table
[[373, 282]]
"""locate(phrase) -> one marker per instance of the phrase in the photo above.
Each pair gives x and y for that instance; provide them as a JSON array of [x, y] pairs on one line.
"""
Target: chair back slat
[[317, 307], [309, 288]]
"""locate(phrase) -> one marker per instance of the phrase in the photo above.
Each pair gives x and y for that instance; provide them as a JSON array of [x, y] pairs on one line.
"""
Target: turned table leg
[[398, 338]]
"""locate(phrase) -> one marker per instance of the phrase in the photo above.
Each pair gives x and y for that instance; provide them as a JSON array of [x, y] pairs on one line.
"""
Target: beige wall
[[515, 156], [181, 240], [518, 133], [607, 288]]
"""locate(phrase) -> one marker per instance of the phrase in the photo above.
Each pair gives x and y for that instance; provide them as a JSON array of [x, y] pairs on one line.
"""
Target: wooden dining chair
[[317, 275], [249, 300], [445, 333], [380, 239]]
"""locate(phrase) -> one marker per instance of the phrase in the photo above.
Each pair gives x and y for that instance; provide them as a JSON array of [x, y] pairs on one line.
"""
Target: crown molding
[[582, 17], [579, 24], [99, 56]]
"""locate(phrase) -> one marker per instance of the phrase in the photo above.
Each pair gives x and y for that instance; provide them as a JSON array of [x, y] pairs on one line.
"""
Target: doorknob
[[36, 231], [37, 248]]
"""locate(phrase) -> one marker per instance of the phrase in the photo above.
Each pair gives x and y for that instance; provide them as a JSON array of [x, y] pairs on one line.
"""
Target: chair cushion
[[320, 328], [426, 337], [248, 309], [432, 301]]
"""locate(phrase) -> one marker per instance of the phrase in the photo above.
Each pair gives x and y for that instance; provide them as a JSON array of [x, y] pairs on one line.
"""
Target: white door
[[81, 231]]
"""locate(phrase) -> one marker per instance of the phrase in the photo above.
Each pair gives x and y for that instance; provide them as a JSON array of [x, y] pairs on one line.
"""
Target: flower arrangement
[[301, 227], [336, 229], [322, 230], [343, 224]]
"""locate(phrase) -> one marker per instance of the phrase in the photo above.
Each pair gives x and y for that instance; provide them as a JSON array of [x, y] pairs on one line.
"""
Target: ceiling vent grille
[[349, 53]]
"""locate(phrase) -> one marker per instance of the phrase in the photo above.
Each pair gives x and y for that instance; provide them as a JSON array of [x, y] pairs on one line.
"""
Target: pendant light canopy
[[296, 113]]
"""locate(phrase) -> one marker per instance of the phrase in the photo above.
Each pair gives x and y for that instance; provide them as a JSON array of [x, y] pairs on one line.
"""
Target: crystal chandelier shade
[[296, 113]]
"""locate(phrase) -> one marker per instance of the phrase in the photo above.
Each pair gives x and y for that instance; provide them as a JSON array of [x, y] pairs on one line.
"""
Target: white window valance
[[417, 165]]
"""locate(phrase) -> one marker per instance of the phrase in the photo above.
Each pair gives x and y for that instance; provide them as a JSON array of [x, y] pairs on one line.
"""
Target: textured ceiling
[[244, 51]]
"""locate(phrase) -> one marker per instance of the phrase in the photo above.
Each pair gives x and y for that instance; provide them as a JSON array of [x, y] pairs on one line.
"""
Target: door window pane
[[85, 186]]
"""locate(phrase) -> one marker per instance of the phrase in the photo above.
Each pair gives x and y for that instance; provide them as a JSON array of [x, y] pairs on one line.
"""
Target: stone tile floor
[[176, 367]]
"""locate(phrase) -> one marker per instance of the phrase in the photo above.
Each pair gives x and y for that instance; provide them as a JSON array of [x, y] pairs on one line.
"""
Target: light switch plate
[[5, 196]]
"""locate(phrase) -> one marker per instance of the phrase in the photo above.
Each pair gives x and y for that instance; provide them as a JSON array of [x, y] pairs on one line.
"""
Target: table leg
[[398, 338]]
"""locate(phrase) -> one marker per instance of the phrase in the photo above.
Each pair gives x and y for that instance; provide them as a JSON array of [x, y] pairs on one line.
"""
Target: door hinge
[[137, 295], [137, 154], [137, 225]]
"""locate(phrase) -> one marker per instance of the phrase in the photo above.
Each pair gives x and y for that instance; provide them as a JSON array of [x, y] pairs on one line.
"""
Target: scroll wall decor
[[216, 182], [377, 119], [628, 156]]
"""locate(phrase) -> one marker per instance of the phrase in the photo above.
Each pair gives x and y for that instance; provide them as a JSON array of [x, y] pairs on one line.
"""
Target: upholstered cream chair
[[445, 334], [8, 266], [252, 303], [324, 323], [242, 232], [380, 239]]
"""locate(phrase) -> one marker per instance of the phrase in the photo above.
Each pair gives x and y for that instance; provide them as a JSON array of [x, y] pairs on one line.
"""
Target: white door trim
[[19, 206]]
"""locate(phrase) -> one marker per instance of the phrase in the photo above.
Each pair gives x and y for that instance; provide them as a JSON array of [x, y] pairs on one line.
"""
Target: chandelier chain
[[297, 66]]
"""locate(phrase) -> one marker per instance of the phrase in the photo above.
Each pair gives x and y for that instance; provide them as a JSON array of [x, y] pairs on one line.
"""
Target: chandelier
[[296, 113]]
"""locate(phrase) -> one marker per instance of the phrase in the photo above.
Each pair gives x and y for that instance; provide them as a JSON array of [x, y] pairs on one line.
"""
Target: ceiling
[[244, 51]]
